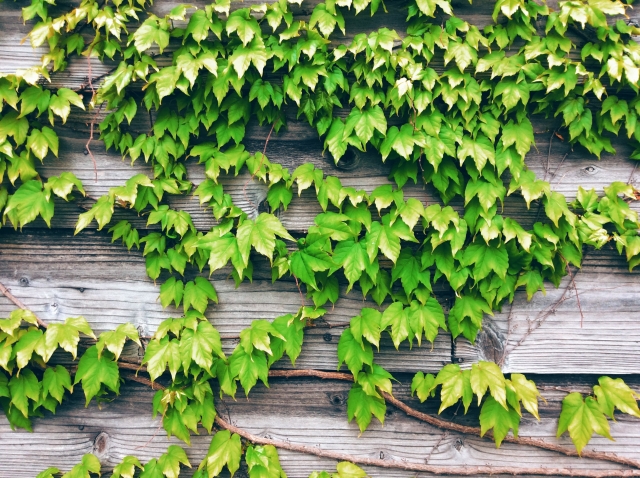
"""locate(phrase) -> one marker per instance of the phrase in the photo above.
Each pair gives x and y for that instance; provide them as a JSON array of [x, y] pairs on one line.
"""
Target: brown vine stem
[[19, 303], [447, 425], [434, 469]]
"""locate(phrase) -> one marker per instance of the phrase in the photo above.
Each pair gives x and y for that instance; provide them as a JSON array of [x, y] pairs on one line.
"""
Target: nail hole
[[24, 282], [590, 169], [327, 337]]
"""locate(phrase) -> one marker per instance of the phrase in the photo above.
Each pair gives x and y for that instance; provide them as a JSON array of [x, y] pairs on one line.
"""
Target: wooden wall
[[563, 347]]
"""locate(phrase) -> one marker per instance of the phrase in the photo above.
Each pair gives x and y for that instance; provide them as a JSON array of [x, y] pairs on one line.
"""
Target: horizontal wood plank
[[302, 411], [60, 276]]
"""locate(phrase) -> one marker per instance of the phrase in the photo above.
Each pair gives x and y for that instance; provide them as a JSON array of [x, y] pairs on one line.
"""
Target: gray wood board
[[60, 276], [302, 411], [550, 335]]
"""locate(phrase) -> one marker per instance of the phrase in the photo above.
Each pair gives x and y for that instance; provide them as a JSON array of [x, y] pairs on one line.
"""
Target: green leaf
[[172, 291], [197, 294], [456, 384], [55, 381], [292, 332], [614, 393], [353, 352], [494, 415], [486, 259], [352, 257], [362, 407], [225, 450], [249, 367], [170, 461], [24, 387], [526, 392], [89, 464], [257, 336], [200, 344], [261, 234], [423, 385], [426, 318], [162, 353], [366, 325], [365, 122], [488, 375], [306, 262], [127, 467], [376, 378], [581, 418], [466, 315], [94, 371], [480, 150], [397, 317]]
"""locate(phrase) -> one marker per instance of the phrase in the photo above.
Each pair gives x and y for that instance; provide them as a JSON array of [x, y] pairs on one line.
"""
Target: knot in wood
[[24, 282], [336, 399], [101, 445], [350, 160], [458, 444], [327, 337]]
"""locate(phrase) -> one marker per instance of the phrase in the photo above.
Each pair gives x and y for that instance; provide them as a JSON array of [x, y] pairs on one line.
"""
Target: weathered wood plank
[[60, 276], [302, 411], [552, 335]]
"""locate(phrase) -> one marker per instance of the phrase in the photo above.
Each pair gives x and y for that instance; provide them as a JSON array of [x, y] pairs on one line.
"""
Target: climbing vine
[[201, 75]]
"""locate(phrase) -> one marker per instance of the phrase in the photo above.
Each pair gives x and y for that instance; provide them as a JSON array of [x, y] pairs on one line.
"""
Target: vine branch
[[19, 303]]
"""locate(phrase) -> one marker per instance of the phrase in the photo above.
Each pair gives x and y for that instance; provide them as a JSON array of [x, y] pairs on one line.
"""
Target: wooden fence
[[564, 340]]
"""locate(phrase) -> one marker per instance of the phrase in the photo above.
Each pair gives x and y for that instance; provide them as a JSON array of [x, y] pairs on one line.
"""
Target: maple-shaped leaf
[[402, 141], [243, 56], [197, 294], [396, 317], [257, 336], [386, 238], [581, 417], [353, 352], [89, 464], [494, 415], [486, 259], [352, 257], [51, 472], [488, 375], [65, 336], [244, 25], [24, 387], [291, 329], [199, 345], [261, 234], [520, 134], [456, 384], [367, 325], [426, 319], [423, 385], [54, 382], [172, 291], [306, 262], [365, 122], [94, 371], [263, 461], [127, 467], [614, 393], [162, 353], [409, 270], [465, 317], [428, 7], [363, 407], [526, 392], [480, 150], [170, 461], [28, 202], [249, 367], [225, 450], [374, 379]]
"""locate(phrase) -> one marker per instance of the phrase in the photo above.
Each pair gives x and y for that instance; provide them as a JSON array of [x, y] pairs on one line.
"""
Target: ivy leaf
[[225, 450], [197, 294], [249, 367], [263, 461], [480, 150], [365, 122], [426, 318], [526, 392], [257, 336], [66, 336], [376, 378], [466, 315], [614, 393], [581, 418], [362, 407], [292, 332], [162, 353], [200, 344], [456, 384], [244, 25], [367, 325], [172, 291], [353, 352], [55, 381], [255, 53], [494, 415], [261, 234], [306, 262], [24, 387], [520, 134], [488, 375], [94, 371], [127, 467], [423, 385], [486, 259], [351, 256], [89, 464], [170, 461], [428, 7], [397, 317]]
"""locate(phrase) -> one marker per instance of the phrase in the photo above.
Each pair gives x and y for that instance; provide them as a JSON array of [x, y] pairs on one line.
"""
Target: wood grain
[[544, 336], [60, 276]]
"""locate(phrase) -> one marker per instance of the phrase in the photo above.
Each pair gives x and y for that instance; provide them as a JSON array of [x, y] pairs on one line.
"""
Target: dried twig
[[19, 303]]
